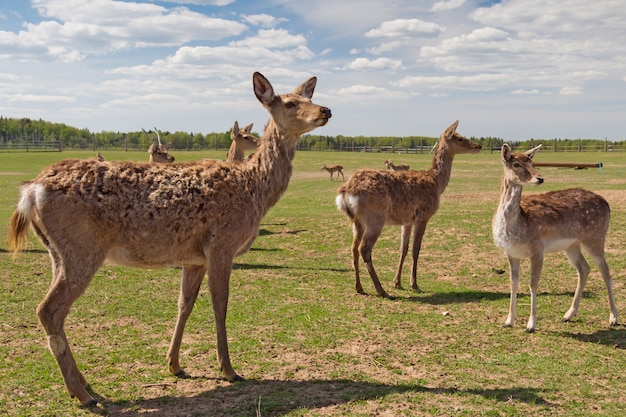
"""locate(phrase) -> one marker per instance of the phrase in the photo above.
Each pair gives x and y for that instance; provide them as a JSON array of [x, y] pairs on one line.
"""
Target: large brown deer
[[158, 152], [242, 140], [331, 169], [197, 215], [400, 167], [374, 198], [533, 225]]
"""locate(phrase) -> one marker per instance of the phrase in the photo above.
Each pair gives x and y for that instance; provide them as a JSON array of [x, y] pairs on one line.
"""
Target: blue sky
[[514, 69]]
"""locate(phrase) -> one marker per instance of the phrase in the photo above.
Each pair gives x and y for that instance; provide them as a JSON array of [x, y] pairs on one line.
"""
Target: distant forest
[[24, 133]]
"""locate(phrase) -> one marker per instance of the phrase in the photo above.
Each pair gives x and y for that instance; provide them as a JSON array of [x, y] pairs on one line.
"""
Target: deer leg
[[536, 265], [514, 266], [576, 258], [420, 228], [70, 279], [357, 230], [189, 288], [600, 261], [220, 266], [367, 244], [342, 177], [404, 249]]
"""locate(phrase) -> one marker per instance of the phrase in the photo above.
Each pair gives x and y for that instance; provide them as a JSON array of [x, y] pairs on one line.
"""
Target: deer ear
[[450, 130], [248, 128], [531, 152], [306, 88], [506, 152], [235, 130], [262, 88]]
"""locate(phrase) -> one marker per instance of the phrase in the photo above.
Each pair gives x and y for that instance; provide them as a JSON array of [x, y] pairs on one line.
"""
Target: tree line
[[21, 132]]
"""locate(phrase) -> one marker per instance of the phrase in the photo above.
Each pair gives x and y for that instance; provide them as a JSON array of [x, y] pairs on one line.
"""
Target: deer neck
[[272, 164], [442, 166], [509, 208]]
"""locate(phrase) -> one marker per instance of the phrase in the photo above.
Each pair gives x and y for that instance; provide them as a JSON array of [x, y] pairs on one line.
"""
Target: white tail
[[373, 198], [332, 169], [242, 140], [533, 225], [158, 152], [401, 167], [196, 215]]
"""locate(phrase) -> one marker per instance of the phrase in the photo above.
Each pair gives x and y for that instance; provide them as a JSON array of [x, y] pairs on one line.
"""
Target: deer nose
[[326, 112], [539, 180]]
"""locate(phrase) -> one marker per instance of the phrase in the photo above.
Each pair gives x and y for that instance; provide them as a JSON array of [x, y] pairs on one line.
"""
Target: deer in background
[[159, 152], [242, 140], [401, 167], [196, 215], [332, 169], [373, 198], [533, 225]]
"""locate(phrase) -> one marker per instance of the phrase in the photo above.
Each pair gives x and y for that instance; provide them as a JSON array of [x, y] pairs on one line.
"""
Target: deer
[[242, 140], [195, 215], [532, 225], [401, 167], [373, 198], [331, 169], [159, 152]]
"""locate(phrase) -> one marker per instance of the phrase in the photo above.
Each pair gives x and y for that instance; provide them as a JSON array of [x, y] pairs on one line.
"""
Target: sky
[[513, 69]]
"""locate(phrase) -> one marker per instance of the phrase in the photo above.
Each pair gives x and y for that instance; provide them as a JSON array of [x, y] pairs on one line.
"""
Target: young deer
[[401, 167], [533, 225], [159, 152], [373, 198], [197, 215], [242, 140], [332, 169]]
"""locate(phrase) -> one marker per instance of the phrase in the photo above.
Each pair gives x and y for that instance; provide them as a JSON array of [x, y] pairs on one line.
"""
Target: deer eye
[[517, 165], [290, 104]]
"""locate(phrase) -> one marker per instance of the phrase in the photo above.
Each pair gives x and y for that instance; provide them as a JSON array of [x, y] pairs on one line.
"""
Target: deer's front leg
[[536, 265], [220, 266], [189, 288], [514, 265], [404, 249], [420, 228]]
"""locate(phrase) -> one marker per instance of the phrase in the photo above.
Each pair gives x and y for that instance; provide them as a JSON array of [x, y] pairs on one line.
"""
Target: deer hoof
[[235, 378], [182, 374]]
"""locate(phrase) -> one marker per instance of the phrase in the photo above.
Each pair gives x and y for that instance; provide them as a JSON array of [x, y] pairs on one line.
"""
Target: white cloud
[[404, 27], [570, 91], [378, 63], [523, 92], [445, 5], [263, 20]]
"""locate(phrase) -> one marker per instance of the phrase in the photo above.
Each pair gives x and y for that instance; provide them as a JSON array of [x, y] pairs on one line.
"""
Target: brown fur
[[530, 226], [390, 165], [197, 215], [332, 169], [242, 140], [374, 198]]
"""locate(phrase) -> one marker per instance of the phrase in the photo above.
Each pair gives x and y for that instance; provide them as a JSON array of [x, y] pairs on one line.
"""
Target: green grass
[[305, 342]]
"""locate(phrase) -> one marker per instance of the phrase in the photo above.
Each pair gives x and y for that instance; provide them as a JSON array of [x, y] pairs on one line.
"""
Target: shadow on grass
[[456, 297], [275, 398], [615, 337]]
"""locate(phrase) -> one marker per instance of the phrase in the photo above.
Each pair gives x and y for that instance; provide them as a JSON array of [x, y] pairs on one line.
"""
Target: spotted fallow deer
[[242, 140], [390, 165], [331, 169], [195, 215], [533, 225], [158, 152], [373, 198]]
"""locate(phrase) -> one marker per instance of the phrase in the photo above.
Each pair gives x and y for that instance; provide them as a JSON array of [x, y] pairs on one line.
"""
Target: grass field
[[305, 342]]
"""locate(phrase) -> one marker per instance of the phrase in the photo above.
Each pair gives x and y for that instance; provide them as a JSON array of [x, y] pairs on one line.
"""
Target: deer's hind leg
[[576, 258], [370, 236], [189, 288], [357, 231], [72, 274], [597, 254]]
